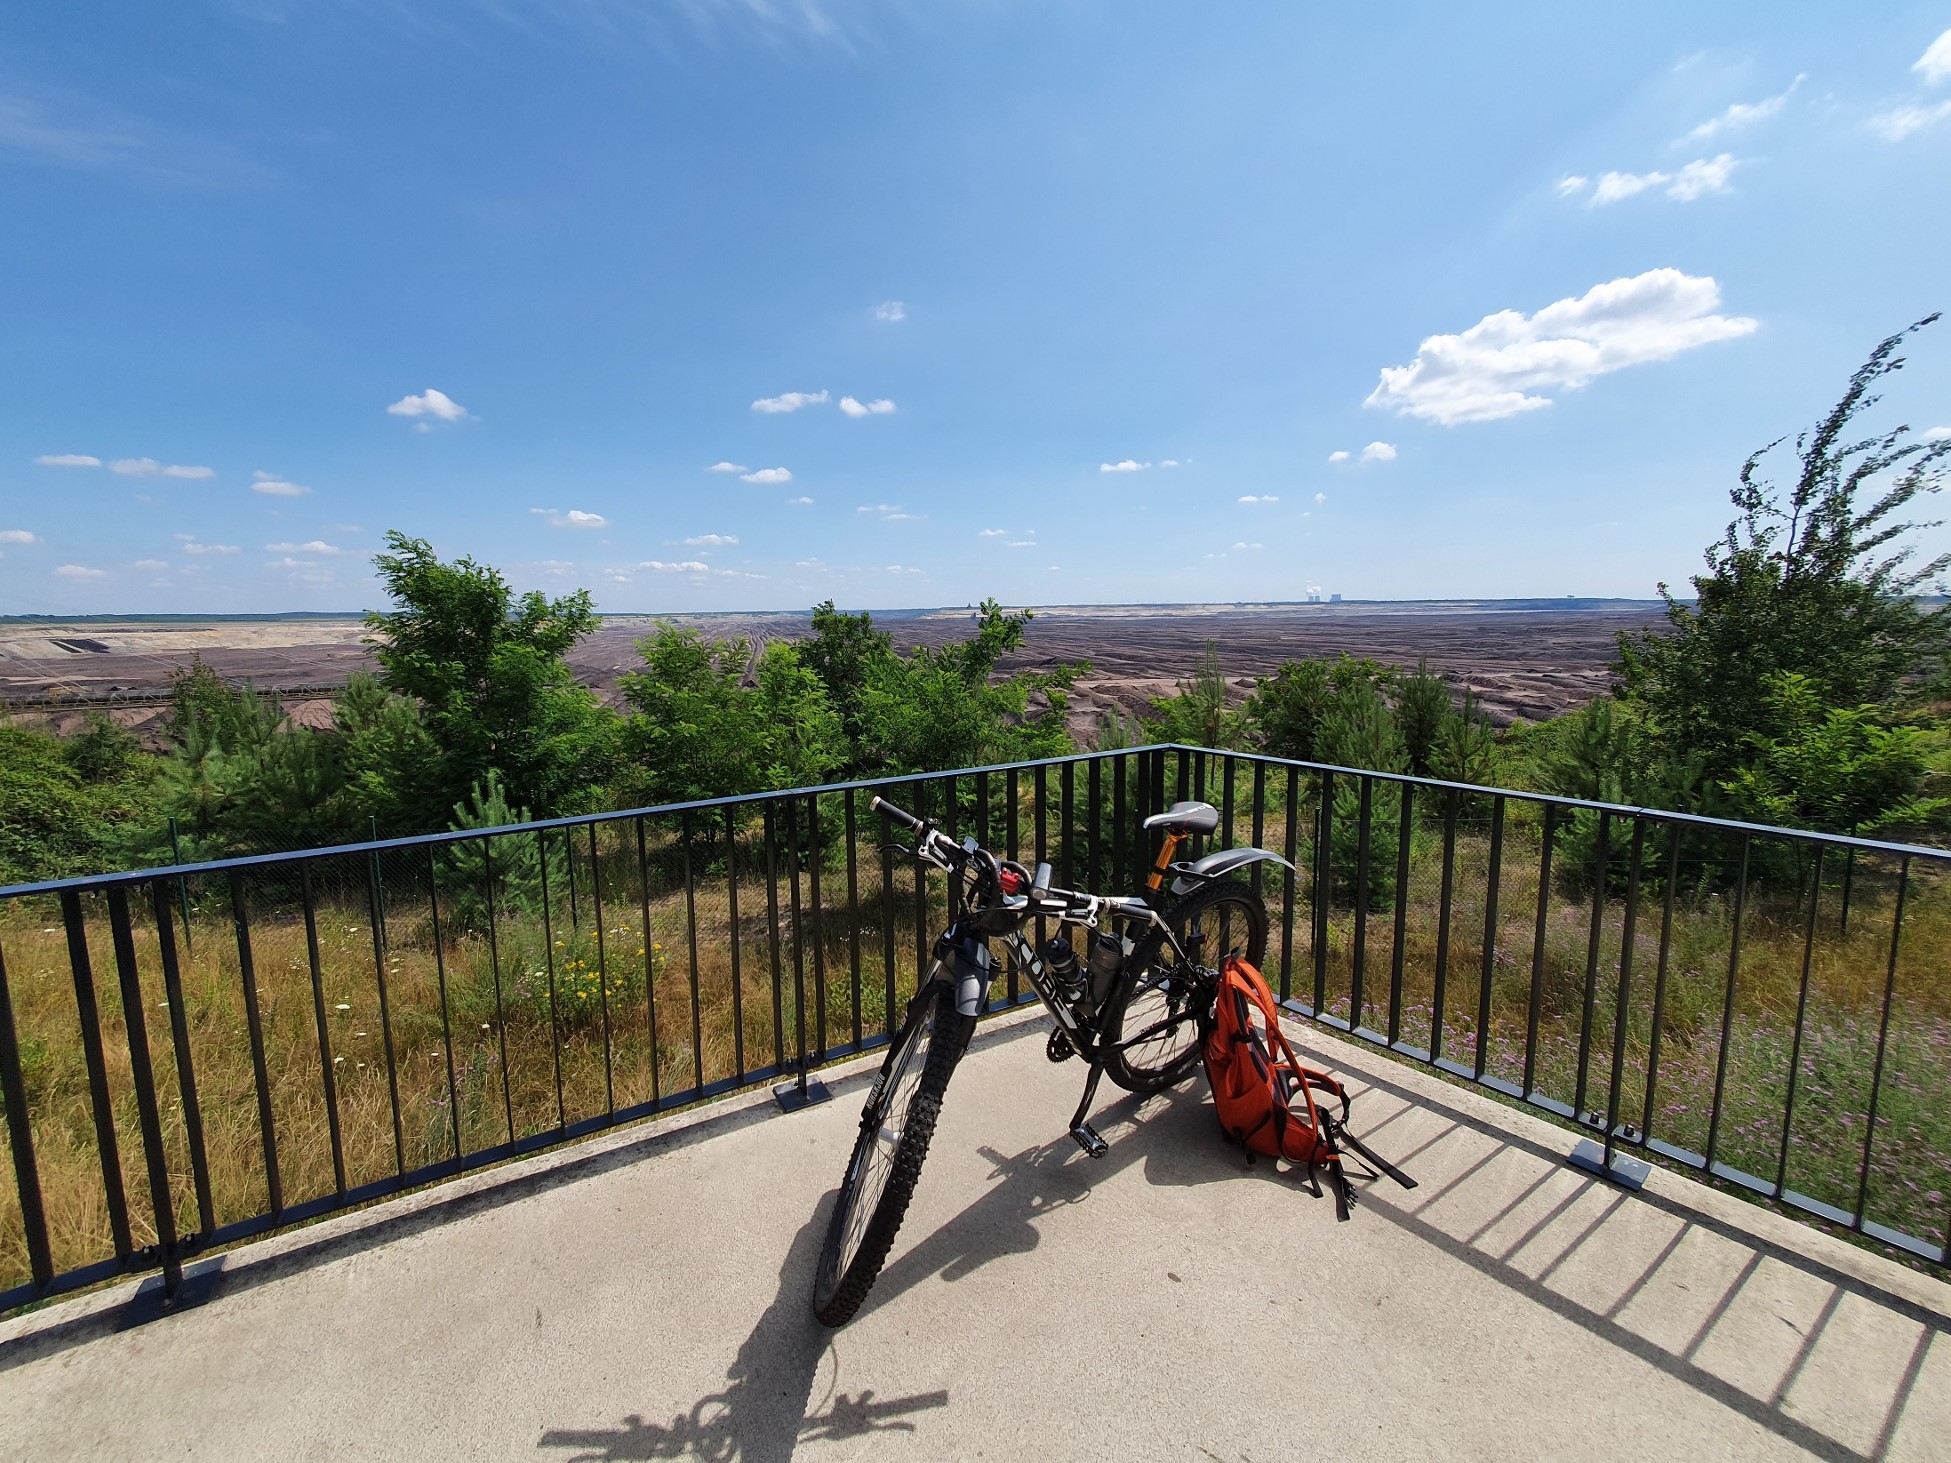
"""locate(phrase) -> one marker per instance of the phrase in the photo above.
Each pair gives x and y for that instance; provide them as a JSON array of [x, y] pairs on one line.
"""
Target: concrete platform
[[645, 1297]]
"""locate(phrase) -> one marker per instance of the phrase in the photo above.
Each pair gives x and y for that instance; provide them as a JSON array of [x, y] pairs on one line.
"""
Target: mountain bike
[[1130, 1005]]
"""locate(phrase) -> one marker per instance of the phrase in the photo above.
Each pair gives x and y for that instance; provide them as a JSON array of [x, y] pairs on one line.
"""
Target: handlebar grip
[[887, 810]]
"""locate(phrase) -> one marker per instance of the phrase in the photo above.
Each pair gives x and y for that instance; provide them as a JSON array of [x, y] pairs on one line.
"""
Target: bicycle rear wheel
[[1153, 1029], [895, 1129]]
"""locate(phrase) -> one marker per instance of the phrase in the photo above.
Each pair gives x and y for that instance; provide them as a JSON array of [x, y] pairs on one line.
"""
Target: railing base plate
[[791, 1097], [1628, 1173]]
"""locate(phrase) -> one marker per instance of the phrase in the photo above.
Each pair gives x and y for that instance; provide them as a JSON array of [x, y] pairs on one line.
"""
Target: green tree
[[1360, 731], [1289, 709], [1197, 714], [1805, 580], [1423, 712], [844, 651], [56, 819], [488, 670]]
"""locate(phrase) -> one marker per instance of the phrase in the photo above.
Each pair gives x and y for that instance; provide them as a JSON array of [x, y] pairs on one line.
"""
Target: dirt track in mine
[[1521, 658]]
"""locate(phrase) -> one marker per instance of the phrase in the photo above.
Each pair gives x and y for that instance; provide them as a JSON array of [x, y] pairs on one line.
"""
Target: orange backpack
[[1264, 1095]]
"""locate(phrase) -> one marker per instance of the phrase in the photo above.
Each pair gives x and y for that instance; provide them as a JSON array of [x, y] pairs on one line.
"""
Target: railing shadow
[[762, 1414]]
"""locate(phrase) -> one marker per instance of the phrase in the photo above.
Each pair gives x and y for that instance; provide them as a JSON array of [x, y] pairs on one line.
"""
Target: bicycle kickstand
[[1085, 1135]]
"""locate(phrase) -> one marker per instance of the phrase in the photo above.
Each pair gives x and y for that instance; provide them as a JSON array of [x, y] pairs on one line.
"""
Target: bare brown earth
[[1525, 658]]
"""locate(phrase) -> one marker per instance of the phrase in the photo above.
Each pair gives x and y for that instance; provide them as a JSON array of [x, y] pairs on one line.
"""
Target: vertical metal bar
[[1324, 887], [1405, 837], [569, 852], [1538, 950], [1013, 846], [548, 955], [920, 810], [1882, 1045], [1443, 906], [887, 929], [254, 1026], [379, 888], [772, 937], [1228, 768], [1183, 786], [328, 1077], [179, 1032], [1674, 834], [799, 954], [143, 1076], [1094, 814], [1198, 779], [494, 969], [853, 910], [1493, 876], [1291, 845], [1727, 1006], [385, 1011], [98, 1095], [1259, 820], [1849, 879], [650, 966], [731, 915], [183, 886], [446, 1027], [818, 920], [602, 966], [1624, 997], [1801, 1018], [1593, 939], [1067, 783], [1357, 967], [691, 940], [1122, 875], [20, 1138], [1042, 814]]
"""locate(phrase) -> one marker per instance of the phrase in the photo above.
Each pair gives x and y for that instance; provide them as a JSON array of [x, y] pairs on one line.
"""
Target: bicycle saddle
[[1186, 818]]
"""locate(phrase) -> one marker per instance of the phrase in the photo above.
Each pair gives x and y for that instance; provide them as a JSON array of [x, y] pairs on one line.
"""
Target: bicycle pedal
[[1058, 1048], [1088, 1140]]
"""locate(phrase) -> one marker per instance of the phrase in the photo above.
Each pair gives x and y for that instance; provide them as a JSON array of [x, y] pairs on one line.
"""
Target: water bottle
[[1107, 959]]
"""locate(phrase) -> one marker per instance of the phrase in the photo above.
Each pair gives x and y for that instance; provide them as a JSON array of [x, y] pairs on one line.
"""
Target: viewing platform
[[645, 1294]]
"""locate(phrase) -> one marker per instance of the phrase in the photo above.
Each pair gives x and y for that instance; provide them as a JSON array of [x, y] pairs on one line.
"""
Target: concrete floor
[[646, 1297]]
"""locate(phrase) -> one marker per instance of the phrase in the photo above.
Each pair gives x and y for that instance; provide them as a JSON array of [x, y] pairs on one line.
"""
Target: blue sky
[[1066, 301]]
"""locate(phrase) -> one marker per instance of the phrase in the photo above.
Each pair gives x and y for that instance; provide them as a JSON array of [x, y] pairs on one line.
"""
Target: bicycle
[[1131, 1008]]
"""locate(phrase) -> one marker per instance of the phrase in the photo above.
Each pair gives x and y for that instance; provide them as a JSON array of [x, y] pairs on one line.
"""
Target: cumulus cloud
[[789, 401], [67, 459], [1696, 180], [767, 475], [1244, 545], [1337, 457], [143, 467], [576, 518], [994, 533], [1937, 434], [152, 565], [1935, 64], [273, 486], [437, 405], [684, 566], [80, 571], [1741, 114], [195, 474], [889, 512], [1259, 498], [17, 536], [1168, 462], [1319, 499], [1022, 543], [1379, 452], [901, 569], [1898, 123], [711, 541], [726, 467], [313, 546], [1505, 363], [799, 502], [191, 546], [1128, 465], [1571, 183], [854, 408], [890, 312]]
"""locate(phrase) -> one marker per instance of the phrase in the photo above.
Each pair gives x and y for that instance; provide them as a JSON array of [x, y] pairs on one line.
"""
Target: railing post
[[143, 1078], [183, 888], [800, 1092]]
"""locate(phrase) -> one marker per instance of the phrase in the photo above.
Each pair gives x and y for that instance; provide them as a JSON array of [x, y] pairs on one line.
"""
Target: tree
[[1197, 715], [843, 652], [1804, 581], [1289, 708], [489, 672], [1422, 712]]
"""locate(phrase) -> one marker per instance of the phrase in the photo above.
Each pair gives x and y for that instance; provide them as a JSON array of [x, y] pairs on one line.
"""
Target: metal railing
[[293, 1034]]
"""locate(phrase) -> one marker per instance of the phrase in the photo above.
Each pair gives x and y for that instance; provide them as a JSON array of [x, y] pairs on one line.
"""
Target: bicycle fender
[[972, 976], [1216, 865]]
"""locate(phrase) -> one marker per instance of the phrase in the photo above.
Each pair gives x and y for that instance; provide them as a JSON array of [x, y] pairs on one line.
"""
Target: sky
[[747, 304]]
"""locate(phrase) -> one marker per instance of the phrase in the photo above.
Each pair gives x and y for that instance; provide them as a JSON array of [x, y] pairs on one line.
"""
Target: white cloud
[[576, 518], [994, 533], [80, 571], [1898, 123], [1741, 114], [901, 569], [1169, 462], [1337, 457], [1937, 434], [855, 408], [1126, 466], [195, 474], [1935, 64], [711, 541], [799, 502], [17, 536], [1379, 452], [686, 566], [191, 546], [67, 459], [554, 566], [1505, 363], [1319, 499], [889, 512], [313, 546], [1696, 180], [1571, 183], [152, 565], [273, 486], [429, 403], [890, 312], [809, 563], [1023, 543], [1259, 498], [726, 467], [789, 401], [767, 475], [136, 467], [1244, 545]]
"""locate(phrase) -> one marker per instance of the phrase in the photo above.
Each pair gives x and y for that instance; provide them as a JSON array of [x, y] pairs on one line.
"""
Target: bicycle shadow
[[766, 1409]]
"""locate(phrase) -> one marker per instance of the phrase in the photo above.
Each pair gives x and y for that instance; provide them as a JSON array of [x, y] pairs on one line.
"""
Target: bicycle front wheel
[[1154, 1027], [895, 1130]]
